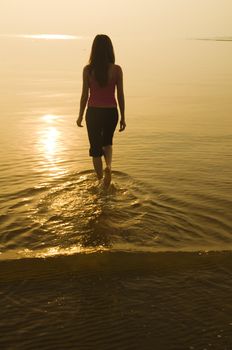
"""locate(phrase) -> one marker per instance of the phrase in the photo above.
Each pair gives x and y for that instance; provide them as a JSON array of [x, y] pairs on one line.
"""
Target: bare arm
[[84, 96], [121, 99]]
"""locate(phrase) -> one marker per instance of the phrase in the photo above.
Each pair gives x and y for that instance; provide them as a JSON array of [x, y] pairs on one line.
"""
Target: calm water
[[155, 237]]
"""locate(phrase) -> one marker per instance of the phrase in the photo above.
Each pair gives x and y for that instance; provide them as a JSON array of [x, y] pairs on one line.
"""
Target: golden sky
[[130, 18], [152, 67]]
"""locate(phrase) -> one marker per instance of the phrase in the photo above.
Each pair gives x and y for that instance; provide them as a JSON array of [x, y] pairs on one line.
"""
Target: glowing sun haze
[[132, 18]]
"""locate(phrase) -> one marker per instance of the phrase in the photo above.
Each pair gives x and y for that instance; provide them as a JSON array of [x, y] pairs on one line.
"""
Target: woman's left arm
[[84, 96]]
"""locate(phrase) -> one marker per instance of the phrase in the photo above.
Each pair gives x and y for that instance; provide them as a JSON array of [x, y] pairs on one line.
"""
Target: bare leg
[[97, 163], [108, 160], [108, 155]]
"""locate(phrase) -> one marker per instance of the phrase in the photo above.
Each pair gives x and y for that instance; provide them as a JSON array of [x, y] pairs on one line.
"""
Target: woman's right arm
[[84, 96], [120, 98]]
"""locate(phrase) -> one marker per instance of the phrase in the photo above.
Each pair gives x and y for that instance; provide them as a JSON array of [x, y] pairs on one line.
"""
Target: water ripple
[[72, 214]]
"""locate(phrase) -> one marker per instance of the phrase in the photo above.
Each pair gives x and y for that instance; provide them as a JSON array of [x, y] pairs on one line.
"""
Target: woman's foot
[[107, 177]]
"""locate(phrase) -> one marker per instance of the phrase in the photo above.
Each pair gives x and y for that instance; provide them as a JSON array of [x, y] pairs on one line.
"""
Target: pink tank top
[[102, 96]]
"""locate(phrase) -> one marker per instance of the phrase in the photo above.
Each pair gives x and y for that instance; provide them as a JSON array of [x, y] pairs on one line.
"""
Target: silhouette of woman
[[100, 77]]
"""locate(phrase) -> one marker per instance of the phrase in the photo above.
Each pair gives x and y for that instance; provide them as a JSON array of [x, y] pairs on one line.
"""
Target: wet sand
[[106, 300]]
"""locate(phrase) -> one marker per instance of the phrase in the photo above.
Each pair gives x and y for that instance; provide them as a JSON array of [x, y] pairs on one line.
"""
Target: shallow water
[[174, 193], [150, 257]]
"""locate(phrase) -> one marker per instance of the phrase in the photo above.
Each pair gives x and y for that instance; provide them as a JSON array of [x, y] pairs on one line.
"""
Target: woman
[[100, 77]]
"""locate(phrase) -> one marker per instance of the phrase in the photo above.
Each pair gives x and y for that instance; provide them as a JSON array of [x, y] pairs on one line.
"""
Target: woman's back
[[103, 96]]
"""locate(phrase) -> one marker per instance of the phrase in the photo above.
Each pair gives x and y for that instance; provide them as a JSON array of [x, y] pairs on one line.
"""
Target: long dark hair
[[102, 54]]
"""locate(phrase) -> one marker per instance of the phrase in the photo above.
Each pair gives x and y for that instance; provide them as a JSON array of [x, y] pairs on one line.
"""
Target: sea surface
[[145, 264]]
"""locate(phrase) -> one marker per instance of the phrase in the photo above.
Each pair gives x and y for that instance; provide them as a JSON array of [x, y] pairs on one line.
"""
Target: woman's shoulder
[[86, 72], [86, 68], [117, 67], [117, 70]]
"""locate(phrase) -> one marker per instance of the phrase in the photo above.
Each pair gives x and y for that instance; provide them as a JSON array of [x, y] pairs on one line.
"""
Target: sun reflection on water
[[59, 251], [49, 118], [51, 135], [49, 145]]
